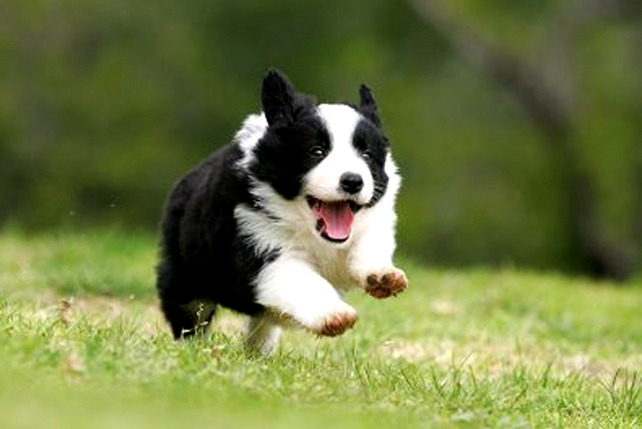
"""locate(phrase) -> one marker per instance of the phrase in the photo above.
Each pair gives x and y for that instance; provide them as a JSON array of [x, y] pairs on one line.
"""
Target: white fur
[[292, 287], [322, 181], [263, 334], [248, 136], [307, 280]]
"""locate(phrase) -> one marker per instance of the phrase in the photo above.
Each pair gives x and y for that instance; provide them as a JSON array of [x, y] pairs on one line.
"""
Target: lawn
[[83, 346]]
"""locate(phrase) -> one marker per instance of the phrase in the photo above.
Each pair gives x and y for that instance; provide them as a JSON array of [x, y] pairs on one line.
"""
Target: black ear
[[277, 96], [368, 106]]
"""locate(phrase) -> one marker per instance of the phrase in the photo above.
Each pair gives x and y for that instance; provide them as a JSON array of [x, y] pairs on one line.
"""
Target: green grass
[[83, 346]]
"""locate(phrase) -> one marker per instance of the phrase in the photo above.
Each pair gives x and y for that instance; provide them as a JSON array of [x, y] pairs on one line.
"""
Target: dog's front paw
[[338, 322], [386, 282]]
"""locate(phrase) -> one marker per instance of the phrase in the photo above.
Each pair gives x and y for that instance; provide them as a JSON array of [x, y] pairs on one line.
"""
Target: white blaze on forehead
[[340, 121]]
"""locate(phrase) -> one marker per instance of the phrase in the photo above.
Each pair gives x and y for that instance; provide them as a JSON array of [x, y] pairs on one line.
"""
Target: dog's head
[[332, 159]]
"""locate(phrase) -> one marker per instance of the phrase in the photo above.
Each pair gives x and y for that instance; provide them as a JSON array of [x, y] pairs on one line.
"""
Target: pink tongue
[[338, 219]]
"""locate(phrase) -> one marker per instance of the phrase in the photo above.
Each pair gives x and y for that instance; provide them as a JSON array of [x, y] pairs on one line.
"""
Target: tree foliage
[[104, 104]]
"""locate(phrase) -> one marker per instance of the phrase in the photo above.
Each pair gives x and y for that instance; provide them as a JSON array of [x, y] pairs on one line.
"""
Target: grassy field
[[83, 346]]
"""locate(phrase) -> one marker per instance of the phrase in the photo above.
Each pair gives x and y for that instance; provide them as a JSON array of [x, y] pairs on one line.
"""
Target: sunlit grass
[[104, 263], [83, 345]]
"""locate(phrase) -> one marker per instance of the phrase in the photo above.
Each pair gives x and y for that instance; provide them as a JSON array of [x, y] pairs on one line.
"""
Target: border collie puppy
[[281, 222]]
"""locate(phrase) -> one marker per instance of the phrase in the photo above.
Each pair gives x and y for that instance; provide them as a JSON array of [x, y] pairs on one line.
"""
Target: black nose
[[351, 183]]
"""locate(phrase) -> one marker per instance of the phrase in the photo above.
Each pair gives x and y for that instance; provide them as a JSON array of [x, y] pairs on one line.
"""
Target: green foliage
[[458, 349], [104, 104]]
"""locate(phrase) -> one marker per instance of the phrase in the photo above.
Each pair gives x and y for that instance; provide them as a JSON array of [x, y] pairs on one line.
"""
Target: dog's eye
[[317, 152], [366, 155]]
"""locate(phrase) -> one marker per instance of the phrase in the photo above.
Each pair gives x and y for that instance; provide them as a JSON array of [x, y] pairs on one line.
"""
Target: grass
[[84, 346]]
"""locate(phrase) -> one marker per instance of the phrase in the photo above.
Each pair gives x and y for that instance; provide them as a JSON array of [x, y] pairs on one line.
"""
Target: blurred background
[[517, 124]]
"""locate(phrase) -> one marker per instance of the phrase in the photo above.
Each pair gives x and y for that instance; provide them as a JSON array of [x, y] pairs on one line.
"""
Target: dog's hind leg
[[190, 318], [263, 334]]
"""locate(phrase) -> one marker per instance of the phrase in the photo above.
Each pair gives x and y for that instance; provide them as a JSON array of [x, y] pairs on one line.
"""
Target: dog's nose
[[351, 182]]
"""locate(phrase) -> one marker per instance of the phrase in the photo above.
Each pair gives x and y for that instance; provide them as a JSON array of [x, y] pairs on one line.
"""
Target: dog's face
[[330, 160]]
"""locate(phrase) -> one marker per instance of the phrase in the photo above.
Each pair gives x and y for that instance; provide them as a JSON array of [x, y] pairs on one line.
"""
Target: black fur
[[287, 153], [373, 146], [205, 261], [368, 106]]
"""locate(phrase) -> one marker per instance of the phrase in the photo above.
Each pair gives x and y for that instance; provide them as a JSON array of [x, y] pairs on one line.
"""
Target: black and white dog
[[281, 222]]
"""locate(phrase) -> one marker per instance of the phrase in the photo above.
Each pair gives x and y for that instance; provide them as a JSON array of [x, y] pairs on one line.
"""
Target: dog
[[282, 221]]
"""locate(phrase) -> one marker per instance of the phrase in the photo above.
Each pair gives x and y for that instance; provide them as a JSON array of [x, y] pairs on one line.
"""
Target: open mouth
[[334, 218]]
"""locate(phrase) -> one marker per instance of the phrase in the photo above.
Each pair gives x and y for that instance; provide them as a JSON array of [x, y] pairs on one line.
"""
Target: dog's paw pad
[[385, 283], [338, 323]]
